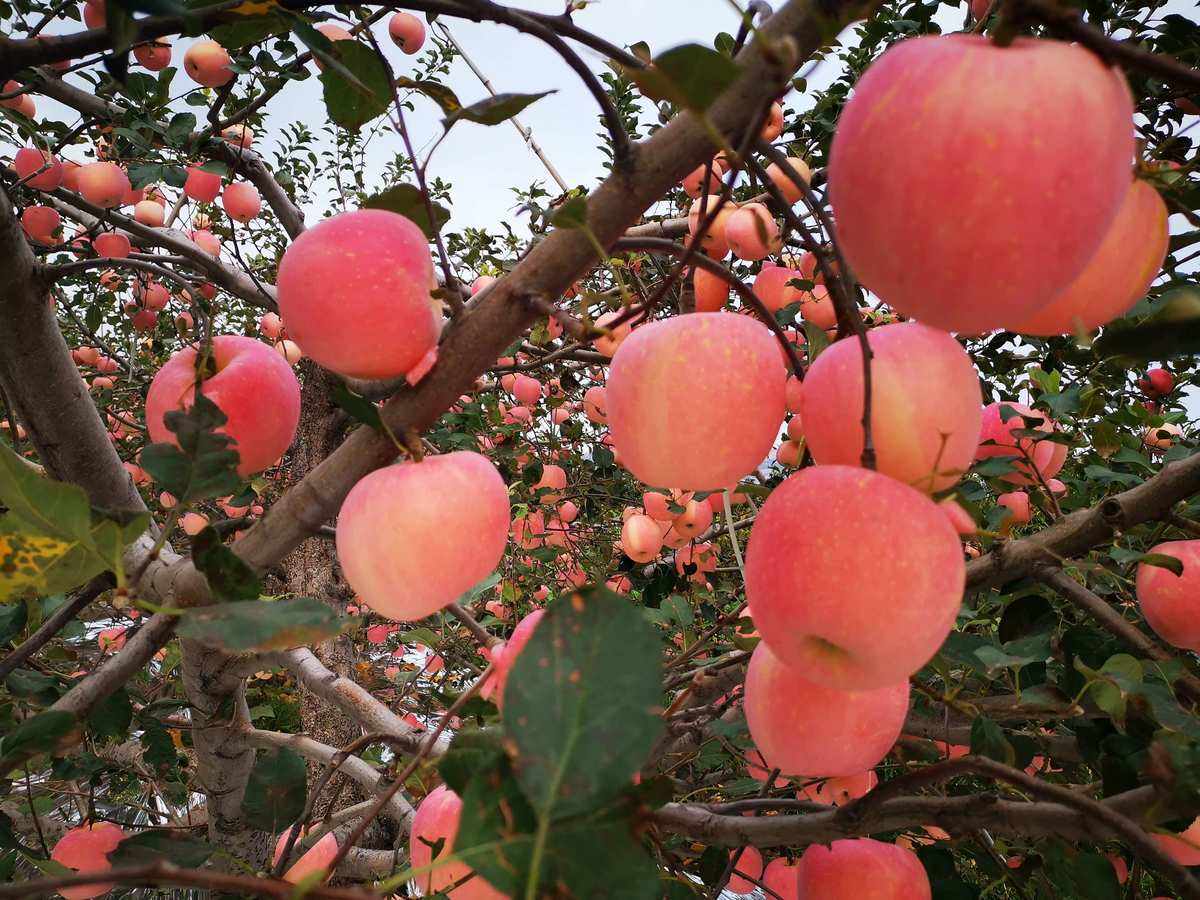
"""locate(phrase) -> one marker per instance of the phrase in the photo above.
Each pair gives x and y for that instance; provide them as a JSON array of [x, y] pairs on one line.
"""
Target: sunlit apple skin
[[355, 293], [711, 291], [202, 186], [641, 538], [855, 579], [154, 56], [85, 849], [979, 218], [316, 859], [1170, 602], [413, 537], [1117, 276], [666, 434], [1047, 457], [807, 729], [926, 405], [862, 868], [253, 386], [437, 819]]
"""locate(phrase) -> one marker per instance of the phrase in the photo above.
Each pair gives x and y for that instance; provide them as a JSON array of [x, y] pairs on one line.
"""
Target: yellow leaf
[[254, 7], [25, 561]]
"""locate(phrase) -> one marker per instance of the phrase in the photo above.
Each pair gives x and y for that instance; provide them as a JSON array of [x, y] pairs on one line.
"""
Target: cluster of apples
[[1031, 248], [85, 849]]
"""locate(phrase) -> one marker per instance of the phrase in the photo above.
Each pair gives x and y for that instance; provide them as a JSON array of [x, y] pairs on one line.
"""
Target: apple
[[782, 877], [104, 184], [149, 213], [436, 824], [394, 529], [40, 223], [925, 405], [254, 388], [316, 859], [855, 579], [694, 183], [711, 291], [752, 233], [155, 56], [772, 288], [807, 729], [407, 31], [1118, 274], [355, 293], [857, 868], [1161, 437], [791, 191], [202, 186], [979, 217], [839, 791], [1019, 510], [749, 863], [595, 405], [85, 849], [641, 539], [241, 201], [504, 656], [29, 160], [1170, 602], [666, 434], [207, 63], [996, 438]]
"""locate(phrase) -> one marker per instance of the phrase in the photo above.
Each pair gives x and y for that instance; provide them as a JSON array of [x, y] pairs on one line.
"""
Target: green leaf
[[987, 739], [360, 89], [1174, 330], [582, 702], [45, 731], [691, 76], [815, 339], [33, 686], [154, 845], [112, 716], [246, 30], [493, 110], [1163, 561], [12, 622], [230, 578], [261, 624], [181, 126], [407, 200], [276, 791], [572, 214], [204, 464], [39, 504]]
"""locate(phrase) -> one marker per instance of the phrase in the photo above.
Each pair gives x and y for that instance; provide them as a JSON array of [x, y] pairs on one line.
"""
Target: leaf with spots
[[582, 703]]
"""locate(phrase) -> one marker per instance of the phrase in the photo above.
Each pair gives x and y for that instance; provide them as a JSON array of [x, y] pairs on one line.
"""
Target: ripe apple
[[979, 218], [856, 868], [996, 438], [855, 579], [250, 383], [31, 159], [316, 859], [925, 405], [355, 293], [668, 436], [154, 56], [641, 539], [207, 63], [806, 729], [407, 31], [85, 849], [436, 823], [504, 656], [413, 537], [1170, 602], [103, 183], [1118, 274], [241, 201]]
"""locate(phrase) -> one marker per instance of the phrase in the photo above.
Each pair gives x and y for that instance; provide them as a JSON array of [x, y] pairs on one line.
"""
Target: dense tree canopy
[[346, 551]]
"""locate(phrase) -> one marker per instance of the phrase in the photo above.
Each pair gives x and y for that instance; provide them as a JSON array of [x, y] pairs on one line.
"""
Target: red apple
[[1170, 602], [859, 868], [436, 823], [85, 849]]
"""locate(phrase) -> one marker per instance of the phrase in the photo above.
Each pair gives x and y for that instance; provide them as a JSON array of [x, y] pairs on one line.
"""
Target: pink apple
[[436, 822], [859, 868], [413, 537], [85, 849], [1170, 602], [250, 383]]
